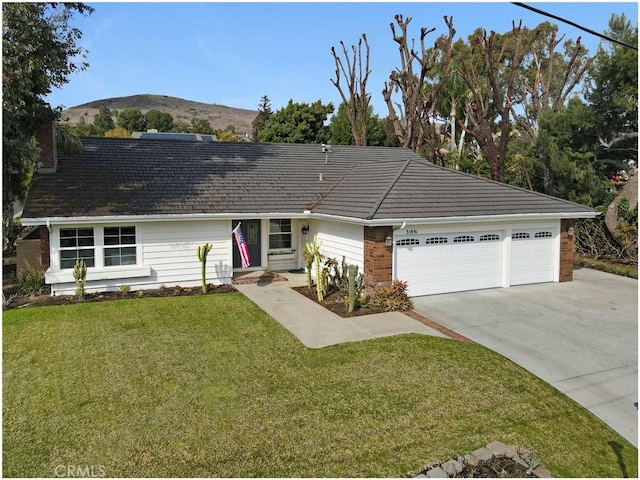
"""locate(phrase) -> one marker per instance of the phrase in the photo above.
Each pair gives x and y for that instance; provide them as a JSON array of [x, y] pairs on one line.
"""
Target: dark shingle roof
[[158, 177]]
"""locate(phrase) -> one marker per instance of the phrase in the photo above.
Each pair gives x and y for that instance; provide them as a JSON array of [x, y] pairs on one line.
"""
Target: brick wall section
[[567, 249], [378, 258], [46, 137], [44, 247]]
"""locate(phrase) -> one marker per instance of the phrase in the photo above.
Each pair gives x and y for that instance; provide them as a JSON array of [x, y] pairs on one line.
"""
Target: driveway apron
[[581, 337]]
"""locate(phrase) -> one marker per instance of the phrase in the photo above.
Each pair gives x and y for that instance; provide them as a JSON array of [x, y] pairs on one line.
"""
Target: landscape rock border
[[453, 467]]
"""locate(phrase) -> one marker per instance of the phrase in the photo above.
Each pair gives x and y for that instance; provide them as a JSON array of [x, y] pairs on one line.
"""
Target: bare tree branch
[[357, 102]]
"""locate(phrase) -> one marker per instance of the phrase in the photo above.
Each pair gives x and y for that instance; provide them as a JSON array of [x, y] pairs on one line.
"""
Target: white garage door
[[532, 256], [447, 262]]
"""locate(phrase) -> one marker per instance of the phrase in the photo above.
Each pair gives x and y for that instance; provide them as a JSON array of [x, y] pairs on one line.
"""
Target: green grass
[[212, 386]]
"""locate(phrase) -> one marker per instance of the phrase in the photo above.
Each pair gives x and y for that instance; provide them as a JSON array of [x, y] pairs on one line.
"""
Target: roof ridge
[[376, 206], [333, 187]]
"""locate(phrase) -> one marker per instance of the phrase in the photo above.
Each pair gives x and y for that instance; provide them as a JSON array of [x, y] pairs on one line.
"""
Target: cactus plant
[[313, 257], [308, 255], [203, 251], [80, 277], [319, 286], [352, 271]]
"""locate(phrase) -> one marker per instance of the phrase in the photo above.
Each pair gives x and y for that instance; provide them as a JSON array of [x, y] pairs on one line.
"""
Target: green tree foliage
[[341, 131], [117, 132], [161, 121], [226, 136], [264, 113], [180, 126], [548, 77], [613, 94], [84, 129], [567, 135], [103, 120], [298, 123], [39, 52], [202, 126], [132, 119]]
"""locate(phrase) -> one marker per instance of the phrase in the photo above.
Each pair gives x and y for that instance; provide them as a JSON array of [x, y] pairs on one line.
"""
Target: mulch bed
[[334, 302], [496, 467], [45, 299]]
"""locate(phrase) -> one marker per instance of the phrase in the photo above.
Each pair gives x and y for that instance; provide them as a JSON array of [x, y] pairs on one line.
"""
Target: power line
[[569, 22]]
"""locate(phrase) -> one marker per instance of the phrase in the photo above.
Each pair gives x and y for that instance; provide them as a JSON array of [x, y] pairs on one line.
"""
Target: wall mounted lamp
[[305, 229], [571, 231], [388, 241]]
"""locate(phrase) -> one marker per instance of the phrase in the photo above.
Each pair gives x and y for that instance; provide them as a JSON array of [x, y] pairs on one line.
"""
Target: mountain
[[219, 116]]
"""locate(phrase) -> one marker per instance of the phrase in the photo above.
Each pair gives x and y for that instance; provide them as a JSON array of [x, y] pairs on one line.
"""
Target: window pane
[[111, 231], [68, 242], [128, 240], [85, 242], [68, 232], [69, 254], [119, 256], [67, 263], [282, 240], [128, 231]]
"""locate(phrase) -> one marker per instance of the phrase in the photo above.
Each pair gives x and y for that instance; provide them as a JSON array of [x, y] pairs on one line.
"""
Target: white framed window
[[463, 239], [77, 244], [407, 242], [436, 240], [119, 246], [280, 234], [520, 236], [489, 237]]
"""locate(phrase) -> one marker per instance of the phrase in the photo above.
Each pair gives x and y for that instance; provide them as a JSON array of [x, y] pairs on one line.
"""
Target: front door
[[251, 232]]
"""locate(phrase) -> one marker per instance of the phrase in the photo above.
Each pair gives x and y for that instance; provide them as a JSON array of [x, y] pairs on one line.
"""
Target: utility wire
[[555, 17]]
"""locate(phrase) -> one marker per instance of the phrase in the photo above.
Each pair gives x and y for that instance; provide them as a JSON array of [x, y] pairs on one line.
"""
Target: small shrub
[[140, 293], [393, 298], [124, 289], [31, 282], [177, 290]]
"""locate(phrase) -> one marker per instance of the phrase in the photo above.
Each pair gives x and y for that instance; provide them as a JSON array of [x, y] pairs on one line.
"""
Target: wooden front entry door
[[251, 232]]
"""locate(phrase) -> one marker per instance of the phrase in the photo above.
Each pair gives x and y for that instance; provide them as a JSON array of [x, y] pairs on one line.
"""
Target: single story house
[[137, 209]]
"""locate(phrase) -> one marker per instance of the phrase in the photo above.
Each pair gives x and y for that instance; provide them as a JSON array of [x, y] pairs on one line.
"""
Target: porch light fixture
[[305, 229], [571, 232], [388, 241]]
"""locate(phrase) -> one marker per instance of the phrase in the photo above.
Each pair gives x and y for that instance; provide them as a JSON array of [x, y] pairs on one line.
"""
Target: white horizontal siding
[[340, 239], [169, 250]]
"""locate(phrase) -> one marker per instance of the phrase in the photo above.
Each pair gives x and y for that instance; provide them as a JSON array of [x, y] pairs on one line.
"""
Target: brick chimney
[[46, 137]]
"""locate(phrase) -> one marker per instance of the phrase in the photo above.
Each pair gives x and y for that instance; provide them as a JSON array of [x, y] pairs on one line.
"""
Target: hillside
[[219, 116]]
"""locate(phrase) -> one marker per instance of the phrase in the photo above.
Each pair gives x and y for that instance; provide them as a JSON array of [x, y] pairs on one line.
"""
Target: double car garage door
[[453, 262]]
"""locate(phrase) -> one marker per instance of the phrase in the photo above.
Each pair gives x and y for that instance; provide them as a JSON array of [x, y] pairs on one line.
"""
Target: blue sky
[[233, 53]]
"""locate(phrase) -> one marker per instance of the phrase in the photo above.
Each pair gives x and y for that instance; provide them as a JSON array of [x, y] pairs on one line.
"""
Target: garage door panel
[[532, 256], [448, 266]]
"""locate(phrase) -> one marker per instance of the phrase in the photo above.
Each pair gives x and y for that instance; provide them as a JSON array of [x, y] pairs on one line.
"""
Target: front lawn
[[211, 386]]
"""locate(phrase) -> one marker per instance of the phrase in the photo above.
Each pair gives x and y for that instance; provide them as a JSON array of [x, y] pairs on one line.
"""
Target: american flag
[[242, 246]]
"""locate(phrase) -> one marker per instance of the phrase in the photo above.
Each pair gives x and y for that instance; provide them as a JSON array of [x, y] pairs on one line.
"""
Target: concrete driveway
[[581, 337]]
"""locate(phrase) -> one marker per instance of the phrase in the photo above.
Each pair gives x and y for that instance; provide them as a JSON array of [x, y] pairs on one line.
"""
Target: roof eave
[[99, 219], [462, 219], [85, 220]]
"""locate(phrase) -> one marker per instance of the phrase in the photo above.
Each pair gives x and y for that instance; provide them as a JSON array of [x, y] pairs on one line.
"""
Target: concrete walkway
[[317, 327]]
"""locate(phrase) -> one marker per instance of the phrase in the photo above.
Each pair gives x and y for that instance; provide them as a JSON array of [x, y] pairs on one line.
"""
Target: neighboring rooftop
[[153, 177], [155, 135]]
